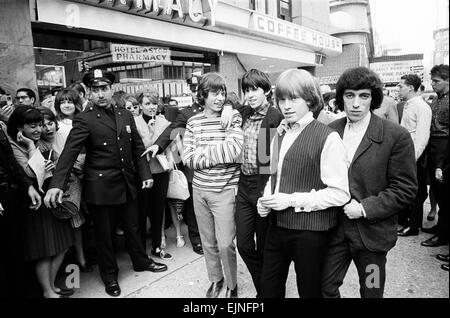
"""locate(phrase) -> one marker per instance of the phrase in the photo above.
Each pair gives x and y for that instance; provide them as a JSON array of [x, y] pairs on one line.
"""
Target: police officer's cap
[[98, 77]]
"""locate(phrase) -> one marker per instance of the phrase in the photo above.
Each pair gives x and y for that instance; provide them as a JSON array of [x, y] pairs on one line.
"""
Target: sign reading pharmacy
[[133, 53], [390, 72]]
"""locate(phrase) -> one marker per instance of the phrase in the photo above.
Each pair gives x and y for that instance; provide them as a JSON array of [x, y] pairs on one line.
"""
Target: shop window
[[285, 10]]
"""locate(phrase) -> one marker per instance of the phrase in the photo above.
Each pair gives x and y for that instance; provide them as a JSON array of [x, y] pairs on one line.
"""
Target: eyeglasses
[[21, 97]]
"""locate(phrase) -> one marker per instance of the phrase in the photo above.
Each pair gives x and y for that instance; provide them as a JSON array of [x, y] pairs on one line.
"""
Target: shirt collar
[[300, 124], [263, 109]]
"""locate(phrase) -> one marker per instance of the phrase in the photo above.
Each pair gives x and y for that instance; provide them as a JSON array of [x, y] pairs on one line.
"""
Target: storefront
[[160, 43]]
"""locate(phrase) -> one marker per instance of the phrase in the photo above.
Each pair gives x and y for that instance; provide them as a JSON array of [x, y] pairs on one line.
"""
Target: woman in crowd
[[67, 104], [152, 201], [47, 238], [132, 105]]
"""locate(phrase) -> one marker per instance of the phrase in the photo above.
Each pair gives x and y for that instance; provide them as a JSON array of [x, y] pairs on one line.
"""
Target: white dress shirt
[[353, 134], [333, 171], [417, 120]]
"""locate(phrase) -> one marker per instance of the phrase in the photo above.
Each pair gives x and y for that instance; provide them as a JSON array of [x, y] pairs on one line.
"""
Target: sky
[[407, 24]]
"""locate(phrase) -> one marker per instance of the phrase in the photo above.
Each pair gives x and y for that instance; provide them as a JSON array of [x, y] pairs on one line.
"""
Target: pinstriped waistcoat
[[301, 173]]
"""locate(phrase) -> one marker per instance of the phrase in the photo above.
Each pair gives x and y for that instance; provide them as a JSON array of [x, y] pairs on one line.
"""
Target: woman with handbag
[[150, 125], [47, 238]]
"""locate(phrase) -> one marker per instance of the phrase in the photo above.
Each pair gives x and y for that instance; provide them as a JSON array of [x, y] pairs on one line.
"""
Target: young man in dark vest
[[307, 186], [382, 181]]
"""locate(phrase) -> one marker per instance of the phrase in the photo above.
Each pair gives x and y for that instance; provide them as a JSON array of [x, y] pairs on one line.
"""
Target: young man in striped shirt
[[213, 153]]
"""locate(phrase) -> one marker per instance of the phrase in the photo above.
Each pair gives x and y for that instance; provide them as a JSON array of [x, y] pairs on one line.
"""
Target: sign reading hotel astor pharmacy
[[133, 53]]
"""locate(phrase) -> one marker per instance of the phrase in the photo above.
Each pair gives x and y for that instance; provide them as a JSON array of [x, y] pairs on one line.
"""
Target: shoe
[[215, 289], [198, 249], [442, 257], [408, 231], [434, 242], [445, 267], [431, 215], [113, 289], [153, 267], [180, 241], [162, 254], [231, 293], [430, 230], [66, 292]]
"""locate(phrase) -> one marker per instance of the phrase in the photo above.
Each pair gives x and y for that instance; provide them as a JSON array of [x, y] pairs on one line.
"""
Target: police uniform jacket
[[113, 165]]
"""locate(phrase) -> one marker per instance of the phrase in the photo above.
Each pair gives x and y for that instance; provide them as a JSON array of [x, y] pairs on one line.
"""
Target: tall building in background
[[352, 23], [441, 33]]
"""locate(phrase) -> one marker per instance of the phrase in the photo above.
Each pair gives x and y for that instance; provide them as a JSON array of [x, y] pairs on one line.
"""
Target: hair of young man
[[294, 83], [30, 93], [359, 78], [413, 80], [254, 79], [2, 92], [210, 82], [21, 116], [70, 95]]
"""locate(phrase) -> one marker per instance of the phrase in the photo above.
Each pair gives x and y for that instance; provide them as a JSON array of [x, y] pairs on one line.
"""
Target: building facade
[[159, 43]]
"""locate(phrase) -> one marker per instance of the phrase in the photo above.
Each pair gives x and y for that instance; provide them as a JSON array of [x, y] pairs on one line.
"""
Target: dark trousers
[[104, 217], [12, 263], [342, 249], [413, 215], [190, 219], [249, 223], [440, 190], [152, 204], [307, 250]]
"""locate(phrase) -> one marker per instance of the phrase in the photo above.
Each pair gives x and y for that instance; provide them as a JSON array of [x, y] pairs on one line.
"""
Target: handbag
[[71, 199], [178, 185]]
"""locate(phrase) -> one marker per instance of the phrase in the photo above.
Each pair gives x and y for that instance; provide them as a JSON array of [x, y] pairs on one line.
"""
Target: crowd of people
[[290, 173]]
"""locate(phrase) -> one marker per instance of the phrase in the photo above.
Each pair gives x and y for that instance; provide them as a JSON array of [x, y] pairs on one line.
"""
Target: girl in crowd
[[132, 105], [67, 104], [47, 238]]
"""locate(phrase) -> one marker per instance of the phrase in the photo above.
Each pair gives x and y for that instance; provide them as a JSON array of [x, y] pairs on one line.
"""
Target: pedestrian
[[382, 182], [260, 120], [212, 151], [308, 184], [16, 191], [112, 170], [437, 149], [416, 118], [25, 96], [47, 237]]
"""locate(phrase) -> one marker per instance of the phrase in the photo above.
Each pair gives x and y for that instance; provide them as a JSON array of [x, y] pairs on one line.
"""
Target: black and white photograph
[[215, 156]]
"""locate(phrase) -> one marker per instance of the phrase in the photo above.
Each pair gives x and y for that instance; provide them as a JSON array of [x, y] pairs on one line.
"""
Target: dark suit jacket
[[265, 136], [382, 177], [113, 159]]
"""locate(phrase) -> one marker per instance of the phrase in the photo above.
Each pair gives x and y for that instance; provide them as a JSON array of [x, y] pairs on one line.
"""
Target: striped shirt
[[213, 152]]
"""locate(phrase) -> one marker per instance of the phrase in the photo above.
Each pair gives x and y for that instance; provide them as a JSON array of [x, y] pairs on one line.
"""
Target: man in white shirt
[[305, 192], [417, 120], [382, 182]]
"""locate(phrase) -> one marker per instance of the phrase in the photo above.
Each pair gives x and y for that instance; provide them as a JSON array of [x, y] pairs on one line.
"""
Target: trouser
[[440, 190], [307, 250], [413, 215], [371, 266], [215, 217], [249, 223], [152, 204], [12, 262], [190, 219], [104, 217]]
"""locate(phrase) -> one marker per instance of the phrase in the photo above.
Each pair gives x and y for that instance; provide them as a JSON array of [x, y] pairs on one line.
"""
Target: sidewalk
[[412, 272]]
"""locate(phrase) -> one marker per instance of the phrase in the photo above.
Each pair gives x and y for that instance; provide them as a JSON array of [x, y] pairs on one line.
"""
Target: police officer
[[112, 169]]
